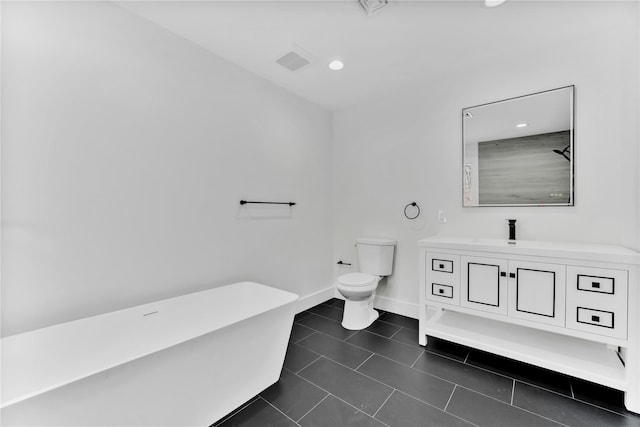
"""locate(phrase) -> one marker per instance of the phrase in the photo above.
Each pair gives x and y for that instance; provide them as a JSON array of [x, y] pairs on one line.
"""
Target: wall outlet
[[442, 218]]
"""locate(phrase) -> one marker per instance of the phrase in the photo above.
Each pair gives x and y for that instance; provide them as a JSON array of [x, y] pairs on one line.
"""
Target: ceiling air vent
[[371, 6], [293, 61]]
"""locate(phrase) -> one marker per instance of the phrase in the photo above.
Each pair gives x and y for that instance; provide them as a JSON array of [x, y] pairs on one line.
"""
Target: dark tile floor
[[381, 377]]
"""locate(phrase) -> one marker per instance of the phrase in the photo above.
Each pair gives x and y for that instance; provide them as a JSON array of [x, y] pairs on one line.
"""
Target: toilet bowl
[[359, 291]]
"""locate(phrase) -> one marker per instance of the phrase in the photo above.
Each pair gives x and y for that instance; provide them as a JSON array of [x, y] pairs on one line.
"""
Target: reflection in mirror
[[519, 152]]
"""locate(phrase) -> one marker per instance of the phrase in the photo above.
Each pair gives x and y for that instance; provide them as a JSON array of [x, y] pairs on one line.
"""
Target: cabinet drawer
[[444, 291], [603, 285], [442, 278], [597, 300], [591, 316], [442, 265]]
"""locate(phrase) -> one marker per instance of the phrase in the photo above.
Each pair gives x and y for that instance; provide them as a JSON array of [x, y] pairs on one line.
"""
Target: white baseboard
[[396, 306], [306, 302]]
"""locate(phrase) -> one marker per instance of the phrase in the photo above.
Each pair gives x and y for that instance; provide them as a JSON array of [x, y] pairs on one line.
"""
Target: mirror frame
[[465, 173]]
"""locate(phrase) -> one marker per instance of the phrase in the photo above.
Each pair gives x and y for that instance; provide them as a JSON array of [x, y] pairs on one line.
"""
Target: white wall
[[407, 147], [125, 152]]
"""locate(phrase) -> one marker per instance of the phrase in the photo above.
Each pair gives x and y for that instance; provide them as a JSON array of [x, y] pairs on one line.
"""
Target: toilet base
[[358, 314]]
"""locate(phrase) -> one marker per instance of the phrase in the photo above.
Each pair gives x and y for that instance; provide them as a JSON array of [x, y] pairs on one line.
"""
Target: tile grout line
[[314, 407], [313, 332], [513, 390], [435, 407], [270, 404], [417, 358], [450, 397], [571, 388], [395, 333], [308, 364], [363, 362], [426, 350], [383, 403]]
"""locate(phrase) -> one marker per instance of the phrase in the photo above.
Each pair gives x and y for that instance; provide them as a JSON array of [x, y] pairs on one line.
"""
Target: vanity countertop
[[571, 250]]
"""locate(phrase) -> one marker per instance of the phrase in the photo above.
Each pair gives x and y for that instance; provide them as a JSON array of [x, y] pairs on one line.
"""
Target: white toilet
[[375, 258]]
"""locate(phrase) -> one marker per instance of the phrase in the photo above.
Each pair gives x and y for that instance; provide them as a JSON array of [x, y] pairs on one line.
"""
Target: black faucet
[[512, 231]]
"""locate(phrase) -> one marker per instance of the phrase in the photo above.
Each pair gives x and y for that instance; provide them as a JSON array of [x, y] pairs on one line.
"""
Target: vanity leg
[[632, 368], [632, 401], [631, 354], [422, 339]]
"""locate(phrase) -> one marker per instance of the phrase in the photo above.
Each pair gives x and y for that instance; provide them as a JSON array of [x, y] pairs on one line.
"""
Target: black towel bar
[[244, 202]]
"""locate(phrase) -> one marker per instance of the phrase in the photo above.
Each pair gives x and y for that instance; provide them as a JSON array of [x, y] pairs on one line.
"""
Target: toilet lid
[[357, 279]]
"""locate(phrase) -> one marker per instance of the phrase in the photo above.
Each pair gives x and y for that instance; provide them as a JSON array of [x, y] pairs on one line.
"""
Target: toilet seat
[[357, 279], [357, 285]]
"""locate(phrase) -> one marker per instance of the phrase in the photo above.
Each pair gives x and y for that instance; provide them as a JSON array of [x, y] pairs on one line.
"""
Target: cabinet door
[[484, 284], [537, 292]]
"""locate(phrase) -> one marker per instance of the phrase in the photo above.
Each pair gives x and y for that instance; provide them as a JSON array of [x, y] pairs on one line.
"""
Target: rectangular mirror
[[519, 151]]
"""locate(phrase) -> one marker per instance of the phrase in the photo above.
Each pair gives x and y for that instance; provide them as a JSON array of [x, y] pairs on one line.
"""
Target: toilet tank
[[375, 256]]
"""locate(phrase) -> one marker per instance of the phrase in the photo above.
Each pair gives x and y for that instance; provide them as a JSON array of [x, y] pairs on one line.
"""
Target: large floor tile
[[565, 410], [332, 412], [486, 412], [489, 383], [335, 302], [600, 395], [396, 319], [337, 350], [383, 328], [404, 411], [392, 349], [331, 312], [298, 357], [350, 386], [299, 332], [301, 315], [447, 348], [540, 377], [293, 395], [327, 326], [407, 336], [258, 414], [422, 386]]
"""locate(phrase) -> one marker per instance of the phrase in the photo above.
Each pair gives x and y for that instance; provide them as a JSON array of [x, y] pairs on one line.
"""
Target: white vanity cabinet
[[565, 307]]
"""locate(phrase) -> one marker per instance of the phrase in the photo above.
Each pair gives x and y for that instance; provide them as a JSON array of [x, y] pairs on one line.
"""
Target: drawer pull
[[595, 285], [512, 275], [441, 266], [503, 274], [441, 291], [595, 318]]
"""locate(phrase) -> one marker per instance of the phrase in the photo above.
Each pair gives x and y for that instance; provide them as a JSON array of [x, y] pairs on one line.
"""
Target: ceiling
[[404, 44]]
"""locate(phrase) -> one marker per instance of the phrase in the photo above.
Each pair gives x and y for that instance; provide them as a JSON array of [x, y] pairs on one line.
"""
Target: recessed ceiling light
[[522, 125], [336, 65], [493, 3]]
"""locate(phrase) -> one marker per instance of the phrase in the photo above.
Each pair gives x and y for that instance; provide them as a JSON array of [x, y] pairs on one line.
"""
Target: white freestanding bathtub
[[184, 361]]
